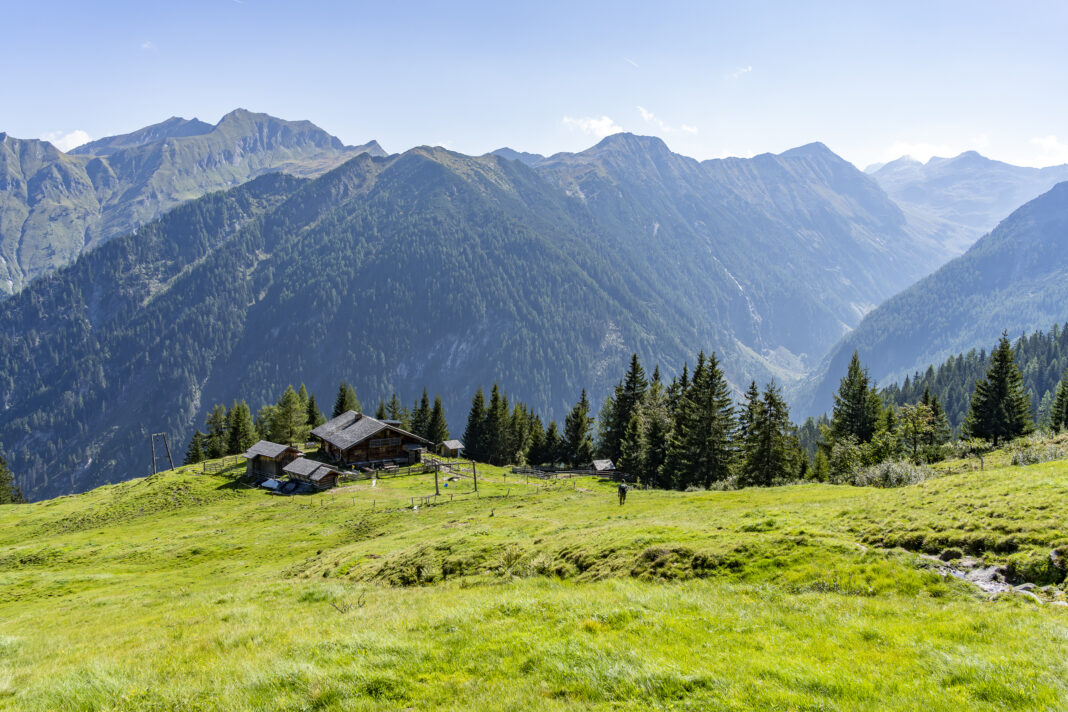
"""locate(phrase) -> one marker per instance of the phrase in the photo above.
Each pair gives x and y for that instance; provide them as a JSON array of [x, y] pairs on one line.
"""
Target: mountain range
[[54, 205], [1015, 279], [319, 262]]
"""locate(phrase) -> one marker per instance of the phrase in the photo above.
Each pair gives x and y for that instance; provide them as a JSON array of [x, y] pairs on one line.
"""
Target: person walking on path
[[622, 489]]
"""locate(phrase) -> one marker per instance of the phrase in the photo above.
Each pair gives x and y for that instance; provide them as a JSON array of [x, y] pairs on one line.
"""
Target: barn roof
[[351, 428], [453, 445], [602, 465], [267, 449], [309, 469]]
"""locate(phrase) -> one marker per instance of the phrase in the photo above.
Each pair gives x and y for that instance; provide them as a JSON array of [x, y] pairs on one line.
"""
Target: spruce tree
[[1000, 408], [632, 449], [302, 397], [702, 447], [857, 406], [315, 416], [536, 449], [380, 411], [346, 400], [218, 432], [577, 439], [1058, 417], [195, 452], [10, 492], [421, 417], [628, 396], [494, 436], [265, 417], [437, 428], [241, 431], [475, 433], [747, 418], [554, 445], [771, 451]]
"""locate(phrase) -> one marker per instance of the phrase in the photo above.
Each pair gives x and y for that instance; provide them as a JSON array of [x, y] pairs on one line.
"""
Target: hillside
[[530, 596], [1014, 278], [438, 270], [964, 197], [54, 205]]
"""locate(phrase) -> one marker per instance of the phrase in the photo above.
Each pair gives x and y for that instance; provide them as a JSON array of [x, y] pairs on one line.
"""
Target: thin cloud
[[651, 118], [741, 71], [630, 61], [66, 141], [1053, 151], [597, 126], [148, 46]]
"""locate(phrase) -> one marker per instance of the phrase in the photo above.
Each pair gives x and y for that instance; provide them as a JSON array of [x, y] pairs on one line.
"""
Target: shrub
[[1032, 454], [892, 474]]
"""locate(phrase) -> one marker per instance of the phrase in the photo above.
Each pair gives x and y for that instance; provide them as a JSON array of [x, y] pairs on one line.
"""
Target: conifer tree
[[394, 407], [657, 432], [264, 421], [857, 406], [346, 400], [288, 424], [748, 416], [554, 445], [195, 452], [1058, 417], [475, 433], [536, 449], [10, 492], [577, 439], [218, 432], [302, 397], [628, 396], [917, 426], [437, 428], [241, 431], [632, 449], [1000, 408], [702, 448], [380, 411], [315, 416], [496, 424], [940, 432], [421, 417], [771, 450]]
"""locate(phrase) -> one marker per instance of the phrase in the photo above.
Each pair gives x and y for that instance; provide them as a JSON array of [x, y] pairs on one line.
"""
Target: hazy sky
[[871, 80]]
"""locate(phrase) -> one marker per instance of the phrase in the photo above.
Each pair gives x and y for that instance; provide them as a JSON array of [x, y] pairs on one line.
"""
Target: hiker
[[622, 489]]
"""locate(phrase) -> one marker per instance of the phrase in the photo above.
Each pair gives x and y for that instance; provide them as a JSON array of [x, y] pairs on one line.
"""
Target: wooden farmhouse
[[267, 459], [356, 439], [313, 472]]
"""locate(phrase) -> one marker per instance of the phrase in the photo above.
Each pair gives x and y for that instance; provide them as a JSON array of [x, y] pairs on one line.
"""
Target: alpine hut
[[313, 472], [356, 439]]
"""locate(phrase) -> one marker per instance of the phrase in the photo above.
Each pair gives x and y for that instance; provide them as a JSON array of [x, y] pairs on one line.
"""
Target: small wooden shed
[[267, 459], [313, 472], [450, 448]]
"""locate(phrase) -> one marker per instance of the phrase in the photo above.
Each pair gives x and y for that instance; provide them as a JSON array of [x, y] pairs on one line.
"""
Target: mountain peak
[[633, 142], [816, 149]]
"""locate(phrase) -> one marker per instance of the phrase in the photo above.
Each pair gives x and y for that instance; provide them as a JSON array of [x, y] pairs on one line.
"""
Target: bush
[[892, 474], [1032, 454]]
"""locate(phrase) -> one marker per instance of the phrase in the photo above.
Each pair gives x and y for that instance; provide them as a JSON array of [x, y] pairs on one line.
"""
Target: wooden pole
[[153, 439], [437, 491], [168, 448], [474, 473]]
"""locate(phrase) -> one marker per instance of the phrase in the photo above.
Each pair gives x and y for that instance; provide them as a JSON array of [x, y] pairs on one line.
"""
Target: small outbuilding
[[267, 459], [313, 472], [450, 448], [603, 466]]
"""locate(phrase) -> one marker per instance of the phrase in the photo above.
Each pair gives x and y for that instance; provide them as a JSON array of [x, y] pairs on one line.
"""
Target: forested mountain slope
[[55, 205], [1015, 278], [964, 197], [432, 269]]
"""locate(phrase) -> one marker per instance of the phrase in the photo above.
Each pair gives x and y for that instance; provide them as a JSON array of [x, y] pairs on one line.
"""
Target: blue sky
[[871, 80]]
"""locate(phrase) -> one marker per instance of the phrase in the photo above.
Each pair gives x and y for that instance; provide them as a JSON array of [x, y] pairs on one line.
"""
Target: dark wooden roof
[[268, 449], [352, 428], [311, 470]]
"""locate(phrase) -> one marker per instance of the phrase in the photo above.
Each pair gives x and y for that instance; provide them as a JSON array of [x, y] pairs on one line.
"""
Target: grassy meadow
[[185, 591]]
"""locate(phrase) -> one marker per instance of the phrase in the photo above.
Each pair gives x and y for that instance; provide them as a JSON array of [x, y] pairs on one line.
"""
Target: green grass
[[192, 592]]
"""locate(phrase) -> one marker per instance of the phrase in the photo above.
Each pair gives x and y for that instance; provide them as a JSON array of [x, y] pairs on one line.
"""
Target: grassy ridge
[[184, 591]]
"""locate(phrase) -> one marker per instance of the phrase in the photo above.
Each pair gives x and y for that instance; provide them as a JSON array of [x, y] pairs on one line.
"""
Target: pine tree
[[748, 416], [577, 439], [315, 416], [241, 431], [10, 492], [302, 397], [421, 417], [346, 400], [380, 411], [475, 433], [1000, 408], [437, 428], [857, 406], [536, 449], [494, 438], [195, 452], [628, 395], [1058, 417], [632, 449], [771, 450], [217, 436]]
